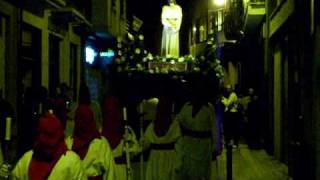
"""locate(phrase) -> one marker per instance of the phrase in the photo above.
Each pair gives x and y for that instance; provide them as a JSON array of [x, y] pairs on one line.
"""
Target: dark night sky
[[149, 11]]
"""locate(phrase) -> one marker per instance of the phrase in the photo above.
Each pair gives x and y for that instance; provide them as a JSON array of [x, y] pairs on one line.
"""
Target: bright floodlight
[[90, 54], [219, 2]]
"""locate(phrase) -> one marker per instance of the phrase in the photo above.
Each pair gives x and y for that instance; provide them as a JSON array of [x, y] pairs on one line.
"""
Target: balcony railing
[[83, 6], [233, 20], [254, 12], [254, 7]]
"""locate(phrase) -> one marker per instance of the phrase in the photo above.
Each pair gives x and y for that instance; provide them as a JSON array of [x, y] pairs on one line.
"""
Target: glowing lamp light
[[141, 37], [90, 55], [137, 51], [194, 29], [219, 2], [109, 53]]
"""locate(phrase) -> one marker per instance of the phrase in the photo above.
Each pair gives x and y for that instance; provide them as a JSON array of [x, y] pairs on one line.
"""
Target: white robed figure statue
[[171, 18]]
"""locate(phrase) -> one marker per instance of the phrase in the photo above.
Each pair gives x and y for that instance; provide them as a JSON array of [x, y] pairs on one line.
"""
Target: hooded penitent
[[85, 130], [163, 116], [112, 121], [49, 147]]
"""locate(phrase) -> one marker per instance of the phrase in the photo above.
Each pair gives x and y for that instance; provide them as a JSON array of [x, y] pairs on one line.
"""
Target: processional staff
[[127, 148]]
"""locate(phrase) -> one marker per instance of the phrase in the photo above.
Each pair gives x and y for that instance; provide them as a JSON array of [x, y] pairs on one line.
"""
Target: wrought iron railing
[[83, 6], [253, 4], [233, 21]]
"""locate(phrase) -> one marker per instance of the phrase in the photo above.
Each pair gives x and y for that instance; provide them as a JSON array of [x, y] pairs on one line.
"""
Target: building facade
[[280, 59], [289, 85], [42, 44], [221, 24]]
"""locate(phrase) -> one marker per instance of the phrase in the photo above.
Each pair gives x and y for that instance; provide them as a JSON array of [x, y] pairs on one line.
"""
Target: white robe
[[98, 160], [68, 167], [196, 153], [171, 18], [162, 164], [119, 169]]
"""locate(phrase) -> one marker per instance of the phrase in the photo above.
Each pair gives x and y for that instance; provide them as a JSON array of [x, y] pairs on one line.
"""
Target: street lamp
[[219, 2], [194, 29]]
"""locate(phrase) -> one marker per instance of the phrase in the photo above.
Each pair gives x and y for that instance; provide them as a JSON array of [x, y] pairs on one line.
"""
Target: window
[[30, 59], [54, 59]]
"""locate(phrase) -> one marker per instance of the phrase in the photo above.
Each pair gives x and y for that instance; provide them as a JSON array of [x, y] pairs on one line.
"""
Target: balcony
[[255, 7], [254, 13], [233, 20], [82, 6]]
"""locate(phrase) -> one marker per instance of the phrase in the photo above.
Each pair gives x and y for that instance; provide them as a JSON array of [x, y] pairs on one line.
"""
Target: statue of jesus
[[171, 18]]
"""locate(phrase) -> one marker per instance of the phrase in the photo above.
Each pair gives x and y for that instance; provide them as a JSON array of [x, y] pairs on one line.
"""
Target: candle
[[172, 108], [125, 114], [40, 108], [8, 129]]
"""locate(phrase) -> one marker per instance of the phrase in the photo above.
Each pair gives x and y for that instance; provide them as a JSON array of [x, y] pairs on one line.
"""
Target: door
[[300, 160], [277, 99], [54, 57], [281, 102], [31, 57]]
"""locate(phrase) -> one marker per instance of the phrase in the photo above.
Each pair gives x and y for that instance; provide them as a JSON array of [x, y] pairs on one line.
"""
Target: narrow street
[[252, 165], [247, 165]]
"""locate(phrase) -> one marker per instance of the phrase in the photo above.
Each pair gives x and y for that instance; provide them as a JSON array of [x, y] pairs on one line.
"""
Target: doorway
[[54, 58], [31, 57], [280, 102]]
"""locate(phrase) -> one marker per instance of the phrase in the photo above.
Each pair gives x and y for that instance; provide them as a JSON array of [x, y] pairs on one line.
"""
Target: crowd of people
[[241, 118], [83, 140]]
